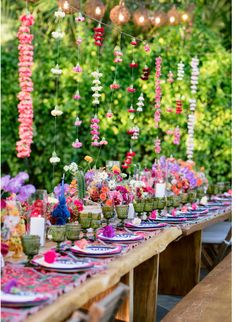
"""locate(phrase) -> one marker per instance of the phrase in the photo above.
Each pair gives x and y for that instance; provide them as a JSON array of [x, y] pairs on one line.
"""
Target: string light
[[141, 17], [95, 9], [185, 17], [98, 11], [120, 15], [66, 5], [173, 16], [158, 19]]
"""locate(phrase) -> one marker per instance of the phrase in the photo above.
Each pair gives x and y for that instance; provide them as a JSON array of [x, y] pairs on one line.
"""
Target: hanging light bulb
[[69, 6], [185, 17], [120, 15], [95, 9], [158, 19], [141, 17], [98, 11], [173, 16], [66, 5]]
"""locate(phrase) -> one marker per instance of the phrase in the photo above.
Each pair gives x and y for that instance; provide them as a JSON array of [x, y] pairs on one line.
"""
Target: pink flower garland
[[157, 114], [25, 107]]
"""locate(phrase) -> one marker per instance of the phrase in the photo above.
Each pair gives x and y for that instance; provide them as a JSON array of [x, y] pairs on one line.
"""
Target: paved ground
[[167, 302]]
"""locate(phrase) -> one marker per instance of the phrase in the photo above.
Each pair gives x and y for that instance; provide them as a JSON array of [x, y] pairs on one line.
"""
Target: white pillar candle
[[37, 227], [131, 211], [160, 190]]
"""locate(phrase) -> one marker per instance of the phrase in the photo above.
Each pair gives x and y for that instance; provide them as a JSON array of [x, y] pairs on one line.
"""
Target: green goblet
[[31, 245], [176, 201], [184, 198], [122, 214], [155, 203], [108, 212], [200, 193], [138, 207], [221, 187], [148, 206], [95, 224], [212, 190], [58, 235], [169, 202], [73, 233], [85, 221], [161, 203], [192, 195], [227, 186]]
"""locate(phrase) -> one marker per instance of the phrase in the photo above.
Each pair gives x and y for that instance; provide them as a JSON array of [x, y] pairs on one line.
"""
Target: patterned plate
[[64, 264], [171, 220], [23, 299], [145, 225], [123, 237], [98, 250]]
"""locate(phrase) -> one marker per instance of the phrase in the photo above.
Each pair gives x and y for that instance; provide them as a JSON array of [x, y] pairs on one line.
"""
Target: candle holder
[[85, 222], [108, 213], [58, 235], [139, 207], [31, 246], [122, 214], [73, 233]]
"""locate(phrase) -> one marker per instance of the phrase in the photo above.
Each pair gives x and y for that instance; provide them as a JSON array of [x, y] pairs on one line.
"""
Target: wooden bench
[[209, 301]]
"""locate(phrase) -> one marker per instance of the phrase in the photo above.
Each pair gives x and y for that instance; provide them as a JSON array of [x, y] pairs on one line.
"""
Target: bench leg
[[180, 265], [145, 290]]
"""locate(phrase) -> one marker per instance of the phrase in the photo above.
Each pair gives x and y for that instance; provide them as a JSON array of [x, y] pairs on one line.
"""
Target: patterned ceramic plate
[[122, 237], [98, 250], [64, 264], [196, 211], [171, 220], [23, 299], [145, 225]]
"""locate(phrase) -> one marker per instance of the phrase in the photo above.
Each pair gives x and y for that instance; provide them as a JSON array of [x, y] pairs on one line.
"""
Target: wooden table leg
[[180, 265], [145, 290], [125, 312]]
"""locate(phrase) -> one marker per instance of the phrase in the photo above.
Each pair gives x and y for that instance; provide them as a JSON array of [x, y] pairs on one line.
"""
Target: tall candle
[[37, 227], [160, 190]]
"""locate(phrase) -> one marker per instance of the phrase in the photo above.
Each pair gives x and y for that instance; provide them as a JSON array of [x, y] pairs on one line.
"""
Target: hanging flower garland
[[191, 117], [99, 35], [180, 71], [176, 135], [157, 114], [25, 107], [57, 72], [140, 103]]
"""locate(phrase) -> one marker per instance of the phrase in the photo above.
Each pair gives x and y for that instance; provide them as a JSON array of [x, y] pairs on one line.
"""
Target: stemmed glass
[[73, 233], [184, 198], [108, 213], [176, 201], [85, 221], [148, 205], [31, 245], [58, 235], [169, 203], [122, 214], [95, 224], [192, 195], [161, 204], [138, 207]]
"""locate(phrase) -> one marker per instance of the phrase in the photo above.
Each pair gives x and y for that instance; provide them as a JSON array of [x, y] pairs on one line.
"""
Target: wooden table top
[[189, 229], [69, 302]]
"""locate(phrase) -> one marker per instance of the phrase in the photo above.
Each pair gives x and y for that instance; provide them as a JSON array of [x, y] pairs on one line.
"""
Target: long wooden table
[[138, 268], [180, 263]]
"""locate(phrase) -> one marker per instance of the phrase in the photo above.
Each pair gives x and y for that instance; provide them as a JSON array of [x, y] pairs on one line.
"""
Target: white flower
[[54, 158], [58, 34], [136, 221], [56, 70], [96, 74], [203, 201], [96, 95], [96, 88], [66, 168], [59, 13], [139, 109], [112, 184], [56, 111], [96, 81]]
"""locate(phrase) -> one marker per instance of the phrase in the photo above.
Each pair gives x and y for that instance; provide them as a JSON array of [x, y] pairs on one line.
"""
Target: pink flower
[[77, 122], [95, 120], [131, 89], [114, 86], [95, 143], [117, 60], [147, 48], [79, 41], [77, 144], [108, 231], [103, 142], [109, 114], [50, 256], [77, 69], [153, 215]]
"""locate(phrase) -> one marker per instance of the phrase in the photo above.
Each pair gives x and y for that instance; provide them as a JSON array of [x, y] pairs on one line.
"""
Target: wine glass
[[95, 224], [58, 235], [31, 245], [73, 233], [161, 204], [85, 222], [169, 203], [138, 207], [122, 214], [108, 212], [148, 205]]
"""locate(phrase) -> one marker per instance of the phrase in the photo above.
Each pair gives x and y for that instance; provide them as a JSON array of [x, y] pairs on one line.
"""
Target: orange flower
[[116, 169], [108, 203], [105, 189], [88, 159], [199, 182], [103, 196]]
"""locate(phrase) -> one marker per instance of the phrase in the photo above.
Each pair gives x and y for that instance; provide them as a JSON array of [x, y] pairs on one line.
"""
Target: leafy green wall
[[213, 127]]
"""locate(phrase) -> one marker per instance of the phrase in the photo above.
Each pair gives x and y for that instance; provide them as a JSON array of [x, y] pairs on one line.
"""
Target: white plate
[[22, 299], [122, 237], [97, 250], [63, 264]]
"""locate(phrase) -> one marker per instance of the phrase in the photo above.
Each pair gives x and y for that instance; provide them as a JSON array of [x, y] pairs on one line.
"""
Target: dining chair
[[216, 243], [104, 310]]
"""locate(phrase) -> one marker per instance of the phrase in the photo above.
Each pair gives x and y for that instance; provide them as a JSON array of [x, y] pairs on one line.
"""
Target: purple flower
[[13, 186], [22, 177], [89, 176], [9, 285], [108, 231], [4, 182], [25, 192], [57, 189]]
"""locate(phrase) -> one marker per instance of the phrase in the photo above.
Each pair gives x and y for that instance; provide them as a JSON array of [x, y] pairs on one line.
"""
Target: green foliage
[[213, 126]]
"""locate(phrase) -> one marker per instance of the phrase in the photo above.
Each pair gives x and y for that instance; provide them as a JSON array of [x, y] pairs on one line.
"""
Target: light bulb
[[98, 11], [66, 5], [172, 19], [157, 20], [141, 19], [185, 17], [121, 17]]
